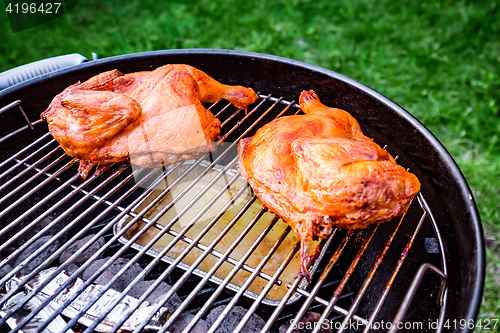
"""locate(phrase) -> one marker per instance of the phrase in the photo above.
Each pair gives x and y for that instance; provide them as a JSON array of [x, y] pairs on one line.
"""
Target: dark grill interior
[[363, 276]]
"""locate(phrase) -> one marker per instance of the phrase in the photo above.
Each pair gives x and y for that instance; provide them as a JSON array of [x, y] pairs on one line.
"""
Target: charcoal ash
[[36, 262], [183, 321], [253, 325], [56, 325], [307, 324], [122, 282], [87, 254], [172, 303]]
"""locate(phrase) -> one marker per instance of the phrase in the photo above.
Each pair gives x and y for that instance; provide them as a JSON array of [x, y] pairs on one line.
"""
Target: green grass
[[438, 59]]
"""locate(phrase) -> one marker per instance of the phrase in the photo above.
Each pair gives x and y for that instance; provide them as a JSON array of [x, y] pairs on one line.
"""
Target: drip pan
[[217, 206]]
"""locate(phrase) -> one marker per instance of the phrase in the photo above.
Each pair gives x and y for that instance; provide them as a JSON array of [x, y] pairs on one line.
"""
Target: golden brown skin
[[150, 118], [319, 171]]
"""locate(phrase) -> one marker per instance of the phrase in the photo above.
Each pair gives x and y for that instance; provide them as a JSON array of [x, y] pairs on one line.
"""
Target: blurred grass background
[[438, 59]]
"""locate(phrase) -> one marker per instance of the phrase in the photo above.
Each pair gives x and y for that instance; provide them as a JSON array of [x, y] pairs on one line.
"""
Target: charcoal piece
[[71, 268], [105, 277], [308, 323], [253, 325], [183, 321], [73, 248], [121, 283], [5, 270], [34, 263], [172, 303]]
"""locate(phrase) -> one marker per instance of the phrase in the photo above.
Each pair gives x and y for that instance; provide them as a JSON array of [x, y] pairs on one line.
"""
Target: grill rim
[[474, 286]]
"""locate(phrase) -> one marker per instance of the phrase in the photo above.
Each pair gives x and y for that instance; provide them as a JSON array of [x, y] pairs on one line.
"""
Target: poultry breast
[[150, 118], [319, 171]]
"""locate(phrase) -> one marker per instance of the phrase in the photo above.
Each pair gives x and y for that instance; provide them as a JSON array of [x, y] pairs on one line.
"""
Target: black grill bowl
[[443, 184]]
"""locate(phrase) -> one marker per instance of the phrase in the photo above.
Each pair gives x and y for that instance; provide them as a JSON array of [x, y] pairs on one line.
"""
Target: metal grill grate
[[42, 195]]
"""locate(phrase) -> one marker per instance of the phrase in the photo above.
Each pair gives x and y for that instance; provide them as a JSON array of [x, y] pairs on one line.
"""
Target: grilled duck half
[[319, 171], [150, 118]]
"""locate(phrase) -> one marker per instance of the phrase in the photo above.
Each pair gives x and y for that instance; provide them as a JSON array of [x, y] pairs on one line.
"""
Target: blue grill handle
[[37, 68]]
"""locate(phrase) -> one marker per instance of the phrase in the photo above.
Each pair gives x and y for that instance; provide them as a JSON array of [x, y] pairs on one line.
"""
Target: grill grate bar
[[199, 159], [214, 104], [25, 149], [46, 262], [196, 163], [322, 278], [346, 278], [176, 286], [31, 166], [241, 136], [294, 287], [22, 129], [228, 119], [129, 211], [214, 268], [369, 278], [267, 288], [35, 189], [249, 280], [136, 236], [207, 251], [388, 286], [164, 231], [214, 162], [215, 294], [34, 222], [412, 290], [100, 251], [186, 251], [20, 163], [10, 106], [108, 245], [30, 180]]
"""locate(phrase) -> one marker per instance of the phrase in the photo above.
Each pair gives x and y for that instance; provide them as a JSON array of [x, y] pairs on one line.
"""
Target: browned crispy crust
[[319, 171], [149, 118]]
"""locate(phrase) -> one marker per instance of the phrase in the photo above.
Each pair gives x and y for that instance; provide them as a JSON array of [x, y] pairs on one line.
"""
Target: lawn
[[438, 59]]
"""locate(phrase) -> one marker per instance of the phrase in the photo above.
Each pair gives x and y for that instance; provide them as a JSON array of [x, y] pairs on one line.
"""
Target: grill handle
[[37, 68]]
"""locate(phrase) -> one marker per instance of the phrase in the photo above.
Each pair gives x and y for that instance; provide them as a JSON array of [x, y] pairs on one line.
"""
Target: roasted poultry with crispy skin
[[150, 118], [319, 171]]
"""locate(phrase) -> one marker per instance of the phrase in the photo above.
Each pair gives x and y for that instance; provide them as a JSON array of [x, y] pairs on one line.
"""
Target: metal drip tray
[[204, 218]]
